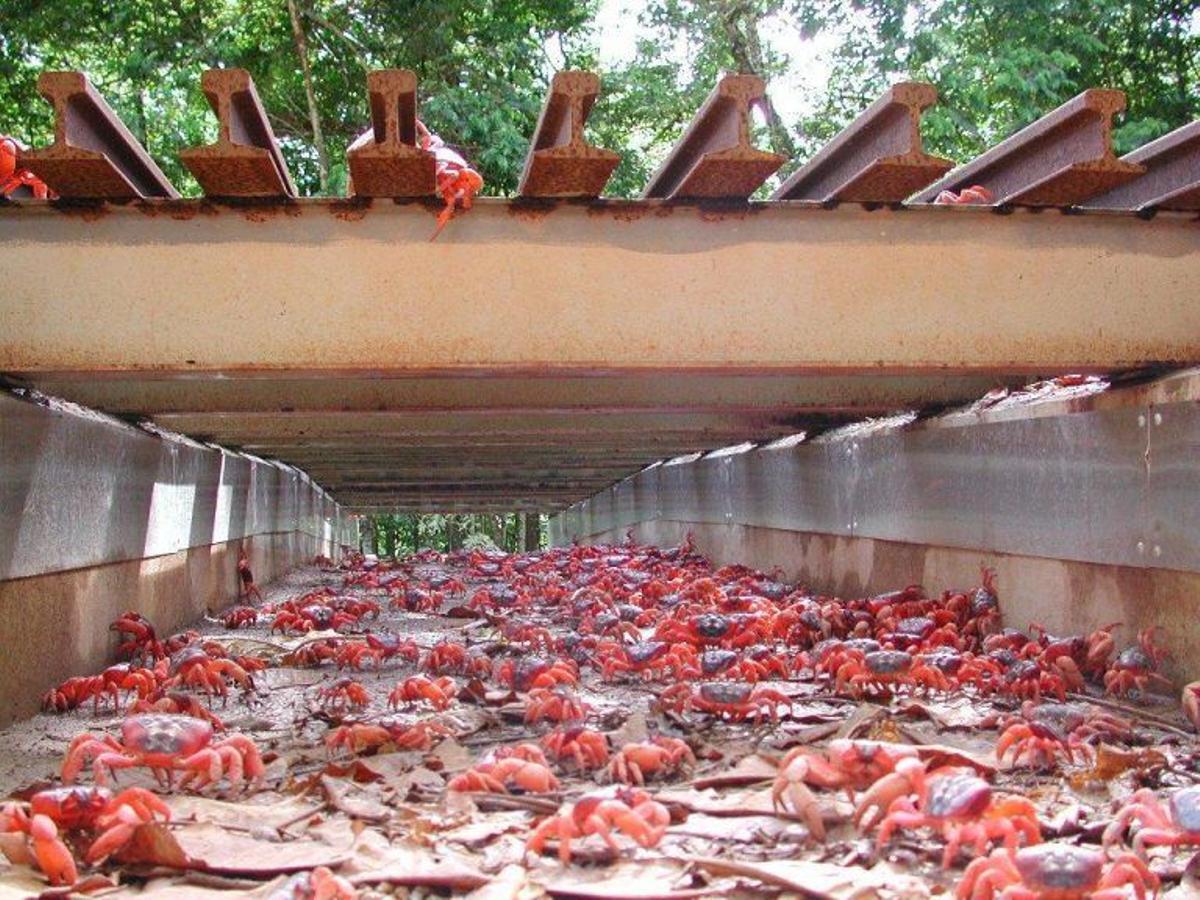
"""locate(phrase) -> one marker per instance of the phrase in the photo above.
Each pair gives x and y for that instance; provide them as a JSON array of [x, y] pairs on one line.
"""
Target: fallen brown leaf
[[353, 800], [821, 881], [750, 769]]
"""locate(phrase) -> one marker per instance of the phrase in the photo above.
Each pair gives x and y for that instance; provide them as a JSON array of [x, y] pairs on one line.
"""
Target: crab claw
[[803, 803], [873, 805], [1191, 703], [52, 855]]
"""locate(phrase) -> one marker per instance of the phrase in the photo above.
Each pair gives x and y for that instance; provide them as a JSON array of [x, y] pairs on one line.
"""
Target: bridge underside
[[536, 353]]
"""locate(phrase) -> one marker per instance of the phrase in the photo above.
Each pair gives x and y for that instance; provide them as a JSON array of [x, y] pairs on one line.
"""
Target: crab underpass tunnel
[[883, 458]]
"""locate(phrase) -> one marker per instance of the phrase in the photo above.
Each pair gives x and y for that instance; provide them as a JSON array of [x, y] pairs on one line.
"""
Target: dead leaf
[[744, 829], [156, 845], [632, 731], [657, 880], [453, 755], [212, 848], [1112, 762], [250, 814], [821, 881], [377, 861], [508, 885], [750, 769], [353, 800], [485, 829], [959, 712]]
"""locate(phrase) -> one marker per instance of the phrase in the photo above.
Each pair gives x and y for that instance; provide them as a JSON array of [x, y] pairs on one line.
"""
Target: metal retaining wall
[[97, 516], [1092, 507]]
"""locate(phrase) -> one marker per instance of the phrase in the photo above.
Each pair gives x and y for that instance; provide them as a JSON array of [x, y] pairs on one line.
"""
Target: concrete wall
[[98, 517]]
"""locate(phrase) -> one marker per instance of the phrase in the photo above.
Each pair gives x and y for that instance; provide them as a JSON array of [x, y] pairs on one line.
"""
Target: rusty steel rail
[[1063, 159], [560, 162], [94, 156], [245, 161], [714, 158], [385, 161], [877, 158], [1172, 179]]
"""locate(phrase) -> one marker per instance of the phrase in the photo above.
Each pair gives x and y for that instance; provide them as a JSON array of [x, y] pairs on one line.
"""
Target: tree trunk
[[451, 533], [314, 114], [740, 23], [533, 531]]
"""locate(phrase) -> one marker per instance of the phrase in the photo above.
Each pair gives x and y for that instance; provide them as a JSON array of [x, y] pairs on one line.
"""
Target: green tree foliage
[[403, 533], [482, 66], [1001, 64]]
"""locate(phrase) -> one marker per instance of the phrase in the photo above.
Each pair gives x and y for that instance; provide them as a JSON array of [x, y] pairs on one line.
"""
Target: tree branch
[[314, 113]]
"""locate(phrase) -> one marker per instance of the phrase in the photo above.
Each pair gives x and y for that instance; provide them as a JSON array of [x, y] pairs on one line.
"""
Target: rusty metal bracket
[[560, 162], [1172, 179], [877, 158], [385, 160], [1062, 159], [245, 161], [94, 156], [714, 159]]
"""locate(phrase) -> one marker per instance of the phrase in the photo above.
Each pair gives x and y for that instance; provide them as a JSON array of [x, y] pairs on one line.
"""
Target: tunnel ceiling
[[547, 346]]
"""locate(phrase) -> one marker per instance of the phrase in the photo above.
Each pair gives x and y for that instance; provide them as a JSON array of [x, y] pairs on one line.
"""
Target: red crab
[[192, 667], [166, 744], [457, 182], [883, 669], [636, 761], [178, 703], [361, 736], [556, 705], [1058, 871], [500, 776], [537, 672], [240, 616], [1176, 824], [1026, 678], [1134, 667], [649, 658], [844, 764], [314, 653], [13, 177], [588, 749], [319, 884], [111, 683], [730, 699], [141, 641], [378, 648], [1046, 730], [448, 657], [714, 629], [954, 801], [730, 665], [30, 835], [975, 195], [439, 693], [634, 812], [344, 694]]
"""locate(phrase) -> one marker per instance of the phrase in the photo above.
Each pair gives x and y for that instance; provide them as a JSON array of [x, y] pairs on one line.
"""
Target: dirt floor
[[384, 819]]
